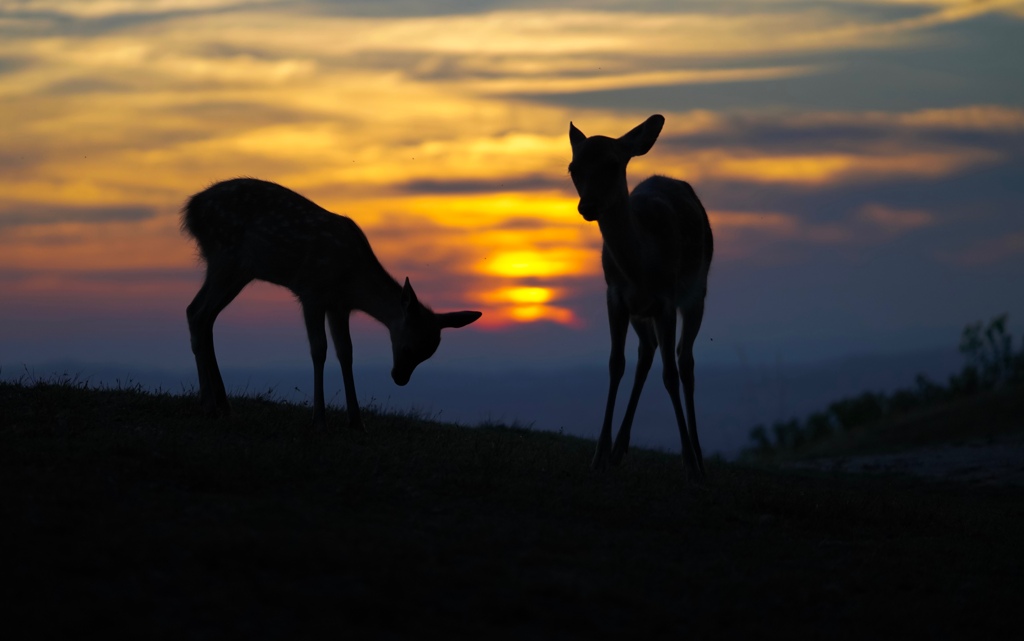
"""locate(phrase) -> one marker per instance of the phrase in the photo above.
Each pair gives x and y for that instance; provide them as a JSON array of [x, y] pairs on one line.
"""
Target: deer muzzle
[[400, 377]]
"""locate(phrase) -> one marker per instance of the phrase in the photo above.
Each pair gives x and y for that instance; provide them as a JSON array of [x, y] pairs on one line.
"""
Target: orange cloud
[[895, 220], [778, 223]]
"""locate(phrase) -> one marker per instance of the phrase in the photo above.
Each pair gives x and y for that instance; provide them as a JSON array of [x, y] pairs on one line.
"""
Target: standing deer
[[249, 229], [656, 256]]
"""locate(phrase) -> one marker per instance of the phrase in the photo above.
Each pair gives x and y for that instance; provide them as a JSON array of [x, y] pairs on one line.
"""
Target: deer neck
[[621, 237], [380, 296]]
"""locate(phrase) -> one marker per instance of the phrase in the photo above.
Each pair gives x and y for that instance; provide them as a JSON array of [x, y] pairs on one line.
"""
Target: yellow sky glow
[[417, 128]]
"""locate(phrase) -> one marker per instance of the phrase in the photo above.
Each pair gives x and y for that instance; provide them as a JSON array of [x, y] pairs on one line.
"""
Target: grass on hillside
[[126, 513]]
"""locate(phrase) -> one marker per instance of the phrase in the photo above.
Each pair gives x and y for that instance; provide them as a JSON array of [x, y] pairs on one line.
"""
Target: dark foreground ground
[[125, 514]]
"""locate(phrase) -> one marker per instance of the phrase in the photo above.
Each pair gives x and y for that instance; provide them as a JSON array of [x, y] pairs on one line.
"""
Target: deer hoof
[[694, 474], [617, 455]]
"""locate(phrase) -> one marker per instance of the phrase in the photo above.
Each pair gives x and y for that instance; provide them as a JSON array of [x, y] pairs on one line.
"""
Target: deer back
[[275, 234], [674, 241]]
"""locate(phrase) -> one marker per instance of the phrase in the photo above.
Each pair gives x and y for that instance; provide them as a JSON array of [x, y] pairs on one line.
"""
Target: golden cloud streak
[[178, 46], [828, 167], [969, 118], [107, 8], [598, 82]]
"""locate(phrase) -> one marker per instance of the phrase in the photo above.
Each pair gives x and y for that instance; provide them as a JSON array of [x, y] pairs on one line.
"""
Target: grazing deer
[[656, 257], [249, 229]]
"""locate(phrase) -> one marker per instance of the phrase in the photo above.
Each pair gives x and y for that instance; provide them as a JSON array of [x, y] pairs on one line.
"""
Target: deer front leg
[[201, 337], [645, 356], [314, 318], [618, 323], [218, 290], [343, 346], [665, 326]]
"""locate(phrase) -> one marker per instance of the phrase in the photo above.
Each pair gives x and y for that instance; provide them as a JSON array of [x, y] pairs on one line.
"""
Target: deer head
[[598, 167], [417, 334]]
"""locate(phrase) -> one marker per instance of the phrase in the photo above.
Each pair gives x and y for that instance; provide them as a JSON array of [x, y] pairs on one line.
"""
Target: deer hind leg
[[618, 322], [665, 325], [645, 356], [691, 325], [217, 292], [343, 346], [314, 317]]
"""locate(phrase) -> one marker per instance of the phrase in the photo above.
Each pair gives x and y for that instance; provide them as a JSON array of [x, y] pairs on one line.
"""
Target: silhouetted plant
[[851, 412], [819, 425], [928, 391], [903, 401], [788, 433], [990, 352], [966, 383], [759, 434], [990, 362]]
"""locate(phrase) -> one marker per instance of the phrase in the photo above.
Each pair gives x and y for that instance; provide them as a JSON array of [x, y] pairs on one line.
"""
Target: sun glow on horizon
[[526, 304]]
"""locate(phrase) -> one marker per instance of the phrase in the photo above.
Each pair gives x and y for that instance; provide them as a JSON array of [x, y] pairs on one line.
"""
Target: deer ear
[[639, 140], [456, 319], [408, 296], [576, 137]]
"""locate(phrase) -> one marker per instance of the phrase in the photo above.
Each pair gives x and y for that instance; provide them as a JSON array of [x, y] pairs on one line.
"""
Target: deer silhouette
[[656, 256], [248, 229]]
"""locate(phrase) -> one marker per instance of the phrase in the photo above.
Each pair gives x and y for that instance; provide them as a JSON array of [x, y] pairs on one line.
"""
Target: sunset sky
[[862, 163]]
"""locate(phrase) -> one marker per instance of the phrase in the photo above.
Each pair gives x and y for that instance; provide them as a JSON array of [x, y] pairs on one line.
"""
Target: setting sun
[[516, 304], [540, 263], [529, 295]]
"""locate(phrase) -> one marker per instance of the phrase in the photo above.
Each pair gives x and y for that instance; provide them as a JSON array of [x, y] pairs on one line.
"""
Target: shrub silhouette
[[989, 353], [990, 362]]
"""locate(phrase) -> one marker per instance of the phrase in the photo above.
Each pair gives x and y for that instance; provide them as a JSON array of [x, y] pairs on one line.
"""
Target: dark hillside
[[127, 514]]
